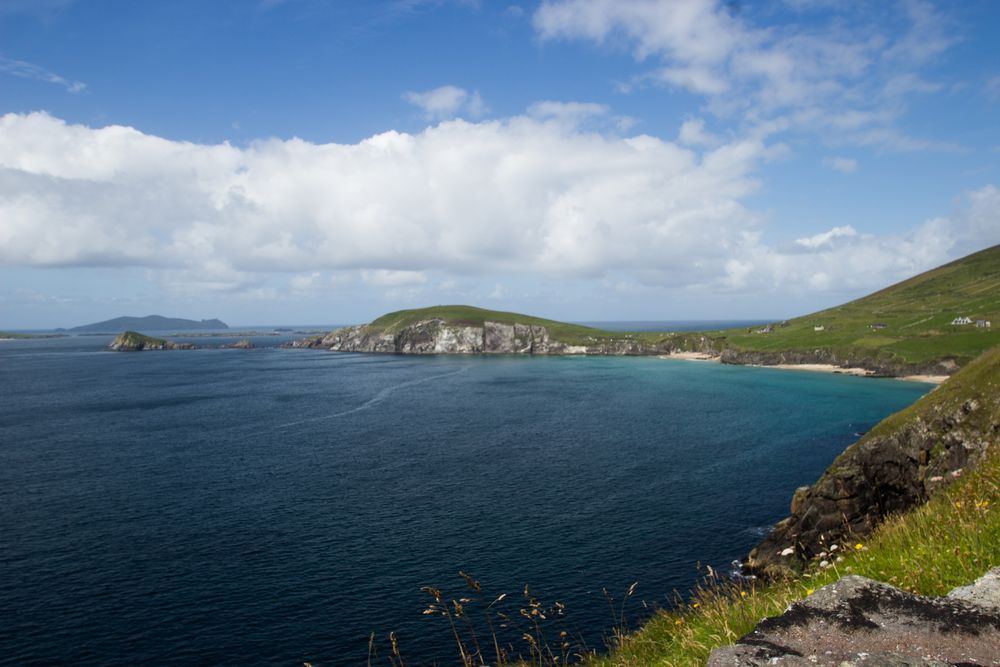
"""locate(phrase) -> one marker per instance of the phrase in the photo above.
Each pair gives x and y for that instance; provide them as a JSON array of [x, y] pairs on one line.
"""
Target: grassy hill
[[471, 316], [908, 323]]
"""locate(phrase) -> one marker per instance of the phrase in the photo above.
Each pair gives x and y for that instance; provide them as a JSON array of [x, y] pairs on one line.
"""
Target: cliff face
[[436, 336], [898, 465]]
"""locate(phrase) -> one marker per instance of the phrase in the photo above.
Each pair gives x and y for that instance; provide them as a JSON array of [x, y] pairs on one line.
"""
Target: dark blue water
[[276, 506]]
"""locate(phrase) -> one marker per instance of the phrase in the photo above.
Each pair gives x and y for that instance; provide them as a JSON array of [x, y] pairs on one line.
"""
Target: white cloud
[[825, 239], [26, 70], [388, 278], [524, 196], [850, 61], [447, 102], [693, 133], [844, 164], [305, 282]]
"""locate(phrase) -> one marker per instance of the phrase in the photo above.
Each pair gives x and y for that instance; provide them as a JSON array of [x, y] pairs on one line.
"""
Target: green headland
[[936, 321]]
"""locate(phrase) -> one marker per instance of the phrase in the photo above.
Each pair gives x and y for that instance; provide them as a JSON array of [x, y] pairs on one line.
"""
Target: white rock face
[[436, 336]]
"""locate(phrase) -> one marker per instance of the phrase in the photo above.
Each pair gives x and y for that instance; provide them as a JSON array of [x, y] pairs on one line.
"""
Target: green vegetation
[[133, 340], [908, 323], [9, 335]]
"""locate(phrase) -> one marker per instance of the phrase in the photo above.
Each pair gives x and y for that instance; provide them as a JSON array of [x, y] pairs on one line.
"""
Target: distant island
[[149, 323]]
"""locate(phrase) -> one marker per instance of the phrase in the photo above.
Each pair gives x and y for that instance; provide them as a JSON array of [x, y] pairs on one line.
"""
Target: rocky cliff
[[438, 336], [897, 465]]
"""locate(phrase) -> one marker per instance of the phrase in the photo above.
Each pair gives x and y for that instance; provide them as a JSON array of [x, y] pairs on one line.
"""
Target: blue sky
[[315, 161]]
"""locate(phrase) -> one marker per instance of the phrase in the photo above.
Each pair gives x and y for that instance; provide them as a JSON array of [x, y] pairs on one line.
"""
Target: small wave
[[758, 531], [375, 400]]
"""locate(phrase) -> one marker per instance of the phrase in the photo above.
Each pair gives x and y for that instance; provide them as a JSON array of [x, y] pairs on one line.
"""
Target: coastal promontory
[[470, 330]]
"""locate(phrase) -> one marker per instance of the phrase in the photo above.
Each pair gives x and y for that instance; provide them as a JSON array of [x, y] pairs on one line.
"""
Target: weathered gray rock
[[984, 591], [435, 336], [857, 621]]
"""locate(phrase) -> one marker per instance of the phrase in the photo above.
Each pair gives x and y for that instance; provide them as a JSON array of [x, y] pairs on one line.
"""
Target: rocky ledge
[[132, 341], [437, 336], [857, 621], [896, 466]]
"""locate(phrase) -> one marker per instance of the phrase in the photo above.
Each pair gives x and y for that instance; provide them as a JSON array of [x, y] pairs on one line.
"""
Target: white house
[[819, 327], [983, 324], [961, 320]]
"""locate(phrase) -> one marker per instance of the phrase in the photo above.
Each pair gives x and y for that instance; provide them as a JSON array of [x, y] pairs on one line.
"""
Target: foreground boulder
[[857, 621], [896, 466]]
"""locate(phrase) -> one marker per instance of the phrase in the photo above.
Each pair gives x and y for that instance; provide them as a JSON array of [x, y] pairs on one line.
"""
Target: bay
[[274, 506]]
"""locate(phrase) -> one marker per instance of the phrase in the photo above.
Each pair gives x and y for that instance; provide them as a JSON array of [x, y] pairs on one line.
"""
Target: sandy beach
[[690, 356], [861, 372], [816, 368]]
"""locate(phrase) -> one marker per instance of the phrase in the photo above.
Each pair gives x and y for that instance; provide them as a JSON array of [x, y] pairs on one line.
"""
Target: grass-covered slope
[[470, 316], [948, 542], [916, 314]]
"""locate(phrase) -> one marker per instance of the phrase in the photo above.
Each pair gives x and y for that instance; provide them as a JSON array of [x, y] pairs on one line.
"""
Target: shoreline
[[814, 368]]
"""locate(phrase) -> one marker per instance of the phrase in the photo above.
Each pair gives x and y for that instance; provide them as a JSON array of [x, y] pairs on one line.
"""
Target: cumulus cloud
[[806, 73], [523, 196], [447, 102], [844, 164]]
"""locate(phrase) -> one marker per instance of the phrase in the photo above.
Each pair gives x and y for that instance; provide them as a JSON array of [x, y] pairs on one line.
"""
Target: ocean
[[275, 506]]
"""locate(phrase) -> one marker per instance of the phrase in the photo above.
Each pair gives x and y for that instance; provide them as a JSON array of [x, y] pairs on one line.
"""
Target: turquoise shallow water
[[275, 506]]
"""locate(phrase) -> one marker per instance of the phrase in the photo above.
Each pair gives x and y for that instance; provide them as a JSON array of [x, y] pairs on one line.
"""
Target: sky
[[326, 161]]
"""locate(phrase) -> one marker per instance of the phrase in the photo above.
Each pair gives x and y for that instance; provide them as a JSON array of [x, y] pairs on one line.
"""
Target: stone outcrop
[[896, 466], [244, 344], [130, 341], [436, 336], [878, 367], [857, 621]]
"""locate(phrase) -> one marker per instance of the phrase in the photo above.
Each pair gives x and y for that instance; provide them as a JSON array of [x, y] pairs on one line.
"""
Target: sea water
[[278, 505]]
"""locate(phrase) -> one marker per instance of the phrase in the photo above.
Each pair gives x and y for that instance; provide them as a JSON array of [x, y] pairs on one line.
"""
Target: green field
[[916, 314]]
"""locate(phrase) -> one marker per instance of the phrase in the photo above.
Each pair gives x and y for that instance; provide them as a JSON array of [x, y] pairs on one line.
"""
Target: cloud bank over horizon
[[531, 194]]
